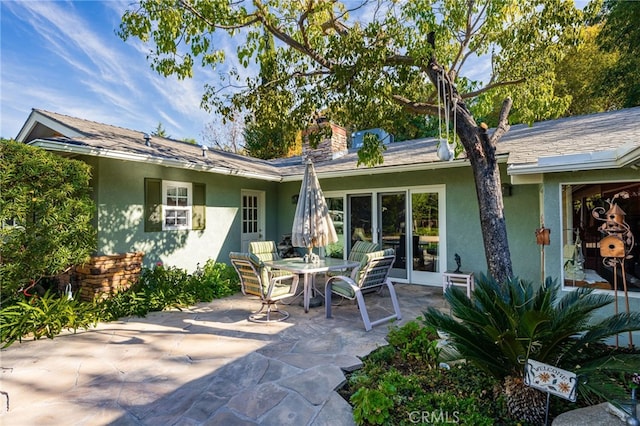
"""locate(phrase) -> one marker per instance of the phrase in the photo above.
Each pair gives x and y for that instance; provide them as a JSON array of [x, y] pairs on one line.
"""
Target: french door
[[252, 218], [411, 221]]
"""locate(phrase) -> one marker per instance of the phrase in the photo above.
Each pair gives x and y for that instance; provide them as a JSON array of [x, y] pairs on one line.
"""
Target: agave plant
[[504, 324]]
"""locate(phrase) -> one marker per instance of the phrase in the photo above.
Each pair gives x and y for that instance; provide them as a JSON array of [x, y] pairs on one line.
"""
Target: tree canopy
[[621, 34], [363, 57], [377, 59]]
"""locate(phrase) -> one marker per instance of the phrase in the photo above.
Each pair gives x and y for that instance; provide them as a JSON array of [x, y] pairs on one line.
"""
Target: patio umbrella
[[312, 224]]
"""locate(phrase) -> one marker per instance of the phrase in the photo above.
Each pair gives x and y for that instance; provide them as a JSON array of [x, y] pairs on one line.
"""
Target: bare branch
[[503, 121], [492, 86], [416, 107], [465, 41]]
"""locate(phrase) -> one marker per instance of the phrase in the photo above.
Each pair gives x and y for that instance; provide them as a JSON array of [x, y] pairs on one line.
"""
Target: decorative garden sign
[[550, 379]]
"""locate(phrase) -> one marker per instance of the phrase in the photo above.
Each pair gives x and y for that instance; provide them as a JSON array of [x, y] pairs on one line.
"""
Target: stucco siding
[[464, 235], [120, 197]]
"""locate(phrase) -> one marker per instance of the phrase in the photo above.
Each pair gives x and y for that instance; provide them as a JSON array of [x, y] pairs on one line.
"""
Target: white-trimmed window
[[171, 205], [177, 199], [599, 222]]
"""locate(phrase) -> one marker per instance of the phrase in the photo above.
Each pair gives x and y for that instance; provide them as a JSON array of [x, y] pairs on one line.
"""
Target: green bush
[[504, 324], [163, 287], [45, 215], [402, 384], [159, 288], [46, 315]]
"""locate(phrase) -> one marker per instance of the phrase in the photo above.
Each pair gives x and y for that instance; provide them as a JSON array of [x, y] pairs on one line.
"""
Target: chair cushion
[[265, 250], [366, 258], [360, 248], [343, 288], [257, 263], [281, 288]]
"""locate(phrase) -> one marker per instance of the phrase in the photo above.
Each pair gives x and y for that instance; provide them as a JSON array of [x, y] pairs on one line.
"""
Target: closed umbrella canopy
[[312, 224]]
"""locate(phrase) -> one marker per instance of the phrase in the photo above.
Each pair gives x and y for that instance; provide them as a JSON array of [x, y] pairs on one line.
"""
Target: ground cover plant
[[158, 288], [407, 382]]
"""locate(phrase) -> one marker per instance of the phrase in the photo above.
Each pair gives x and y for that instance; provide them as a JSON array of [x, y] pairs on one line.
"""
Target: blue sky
[[65, 57]]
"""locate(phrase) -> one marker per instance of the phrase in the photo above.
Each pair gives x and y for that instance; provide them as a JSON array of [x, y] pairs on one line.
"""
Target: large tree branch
[[288, 40], [415, 107], [503, 121]]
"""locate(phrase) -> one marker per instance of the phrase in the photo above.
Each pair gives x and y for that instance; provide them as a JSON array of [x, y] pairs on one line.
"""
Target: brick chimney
[[333, 146]]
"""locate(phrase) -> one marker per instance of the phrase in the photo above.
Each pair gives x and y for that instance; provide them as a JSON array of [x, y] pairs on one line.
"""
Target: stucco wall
[[119, 200], [463, 234]]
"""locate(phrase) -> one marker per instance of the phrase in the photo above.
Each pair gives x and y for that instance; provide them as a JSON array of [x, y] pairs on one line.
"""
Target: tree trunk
[[486, 174], [481, 152]]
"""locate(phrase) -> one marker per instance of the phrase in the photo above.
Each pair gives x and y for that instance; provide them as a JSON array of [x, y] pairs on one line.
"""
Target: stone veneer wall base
[[106, 275]]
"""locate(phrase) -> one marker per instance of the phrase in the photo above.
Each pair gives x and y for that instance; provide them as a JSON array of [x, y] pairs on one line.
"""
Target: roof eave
[[612, 159], [367, 171], [149, 159]]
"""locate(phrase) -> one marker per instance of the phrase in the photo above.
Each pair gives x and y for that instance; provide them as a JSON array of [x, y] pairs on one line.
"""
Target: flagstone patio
[[200, 366]]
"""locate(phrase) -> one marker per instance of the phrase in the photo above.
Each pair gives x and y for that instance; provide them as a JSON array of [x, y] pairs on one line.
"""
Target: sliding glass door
[[425, 236], [411, 221], [393, 234]]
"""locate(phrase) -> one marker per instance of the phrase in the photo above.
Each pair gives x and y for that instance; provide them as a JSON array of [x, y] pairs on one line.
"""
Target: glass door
[[336, 210], [360, 218], [392, 230], [252, 219], [426, 248]]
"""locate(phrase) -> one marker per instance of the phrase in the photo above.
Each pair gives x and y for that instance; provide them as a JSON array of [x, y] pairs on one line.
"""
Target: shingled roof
[[74, 135], [596, 141]]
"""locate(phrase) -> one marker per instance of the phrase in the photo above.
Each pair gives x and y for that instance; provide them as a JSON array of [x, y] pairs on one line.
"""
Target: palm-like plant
[[504, 324]]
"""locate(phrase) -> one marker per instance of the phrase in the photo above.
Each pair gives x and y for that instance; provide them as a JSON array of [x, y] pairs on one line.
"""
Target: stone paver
[[206, 365]]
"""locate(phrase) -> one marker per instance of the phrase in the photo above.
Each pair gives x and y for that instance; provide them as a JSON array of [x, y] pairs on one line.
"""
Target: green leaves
[[349, 63], [505, 324], [44, 316], [47, 199], [159, 288]]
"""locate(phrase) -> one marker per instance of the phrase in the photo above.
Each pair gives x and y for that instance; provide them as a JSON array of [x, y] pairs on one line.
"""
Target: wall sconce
[[294, 199], [507, 189]]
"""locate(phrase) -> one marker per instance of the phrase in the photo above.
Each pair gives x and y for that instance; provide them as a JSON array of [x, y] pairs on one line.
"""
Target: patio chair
[[374, 275], [264, 250], [270, 286], [358, 251]]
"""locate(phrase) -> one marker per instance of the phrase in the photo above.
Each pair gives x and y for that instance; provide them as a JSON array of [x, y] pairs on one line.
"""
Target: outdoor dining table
[[297, 265]]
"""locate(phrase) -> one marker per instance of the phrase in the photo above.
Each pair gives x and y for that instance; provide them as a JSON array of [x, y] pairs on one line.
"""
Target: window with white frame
[[176, 205], [601, 227]]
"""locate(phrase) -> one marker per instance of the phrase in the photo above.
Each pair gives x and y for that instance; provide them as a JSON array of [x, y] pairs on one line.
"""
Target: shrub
[[46, 315], [158, 288], [45, 212], [395, 386], [163, 287], [504, 324]]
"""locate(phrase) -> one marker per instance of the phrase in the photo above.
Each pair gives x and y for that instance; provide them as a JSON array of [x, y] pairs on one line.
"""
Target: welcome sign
[[548, 378]]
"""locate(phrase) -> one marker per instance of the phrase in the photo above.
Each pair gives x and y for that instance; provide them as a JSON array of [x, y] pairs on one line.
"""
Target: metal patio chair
[[269, 285], [374, 275]]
